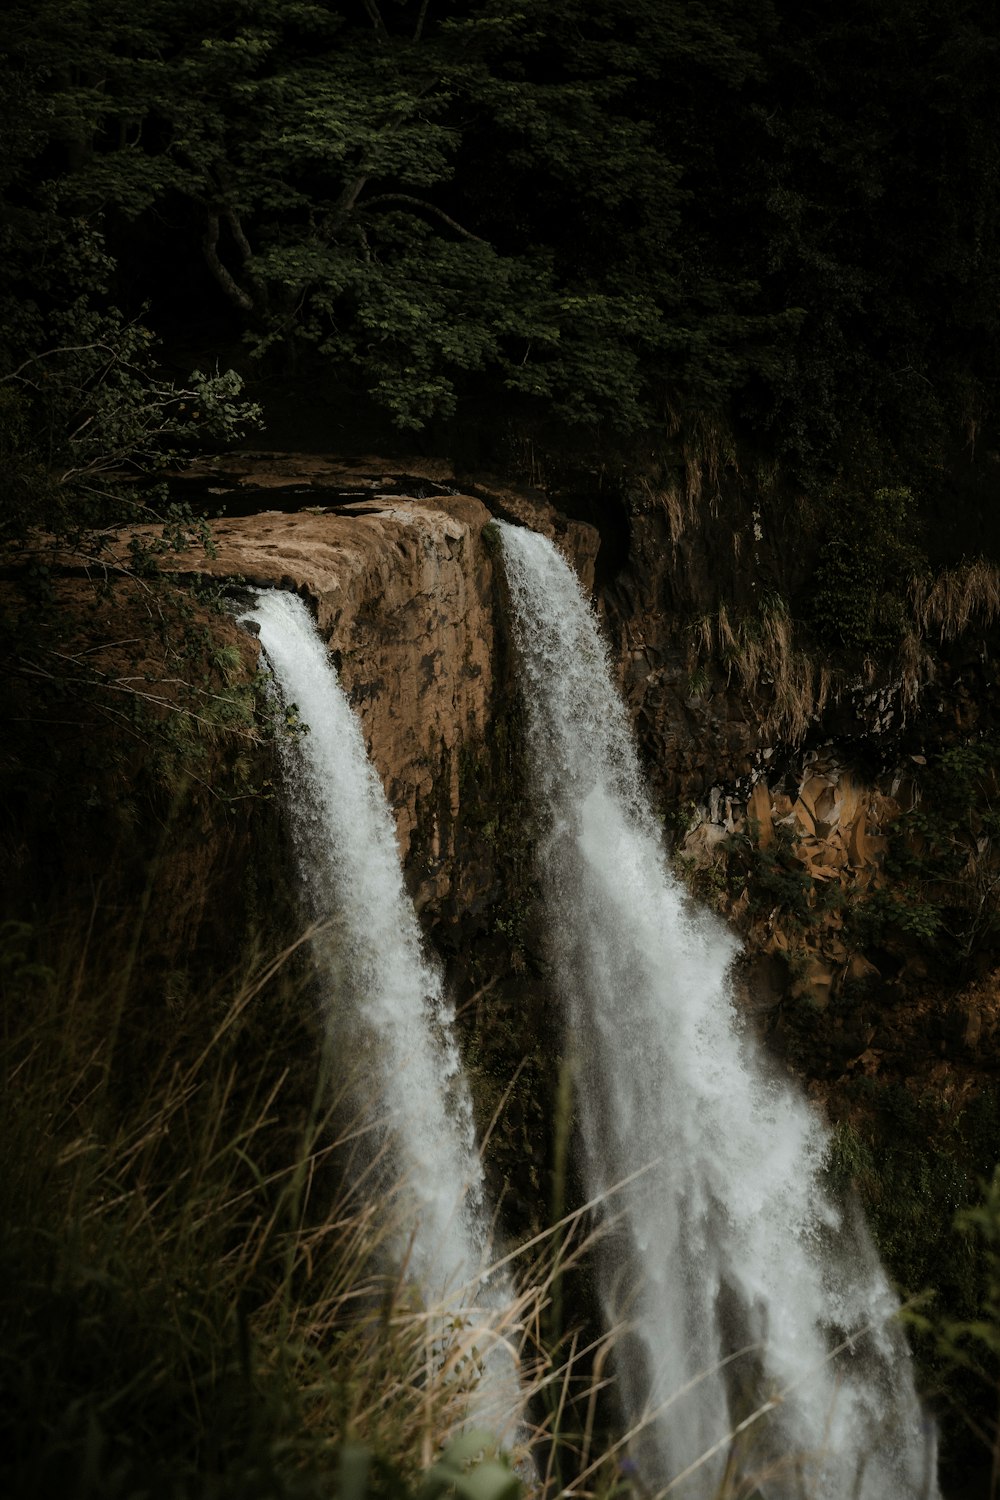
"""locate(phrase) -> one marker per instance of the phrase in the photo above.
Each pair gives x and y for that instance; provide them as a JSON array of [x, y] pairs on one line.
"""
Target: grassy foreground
[[202, 1291], [198, 1296]]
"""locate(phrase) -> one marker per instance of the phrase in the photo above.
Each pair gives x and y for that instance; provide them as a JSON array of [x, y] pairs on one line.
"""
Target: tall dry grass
[[761, 651], [201, 1291], [947, 604]]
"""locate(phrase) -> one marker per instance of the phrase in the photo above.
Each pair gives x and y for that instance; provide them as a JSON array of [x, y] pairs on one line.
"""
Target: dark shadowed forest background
[[745, 252], [615, 229]]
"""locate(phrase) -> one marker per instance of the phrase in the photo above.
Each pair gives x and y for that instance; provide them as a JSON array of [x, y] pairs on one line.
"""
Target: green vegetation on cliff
[[619, 217]]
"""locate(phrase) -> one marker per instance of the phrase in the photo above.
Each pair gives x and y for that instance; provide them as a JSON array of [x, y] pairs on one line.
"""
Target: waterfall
[[384, 1004], [754, 1304]]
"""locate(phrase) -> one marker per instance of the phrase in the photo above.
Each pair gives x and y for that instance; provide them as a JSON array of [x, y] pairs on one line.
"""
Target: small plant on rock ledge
[[942, 866], [858, 601], [776, 880]]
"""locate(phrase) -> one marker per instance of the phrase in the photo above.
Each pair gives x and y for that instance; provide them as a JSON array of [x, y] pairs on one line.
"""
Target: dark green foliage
[[918, 1162], [311, 160], [600, 214], [944, 886], [970, 1342], [858, 593], [890, 914], [84, 406]]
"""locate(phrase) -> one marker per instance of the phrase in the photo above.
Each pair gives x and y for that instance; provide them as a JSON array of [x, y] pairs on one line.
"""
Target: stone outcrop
[[404, 590], [796, 862], [832, 825], [248, 483]]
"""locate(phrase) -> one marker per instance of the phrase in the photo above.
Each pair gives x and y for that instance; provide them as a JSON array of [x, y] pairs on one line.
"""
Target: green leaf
[[354, 1468], [488, 1480]]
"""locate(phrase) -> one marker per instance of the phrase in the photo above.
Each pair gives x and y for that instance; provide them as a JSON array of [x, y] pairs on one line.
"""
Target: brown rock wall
[[832, 824], [403, 591]]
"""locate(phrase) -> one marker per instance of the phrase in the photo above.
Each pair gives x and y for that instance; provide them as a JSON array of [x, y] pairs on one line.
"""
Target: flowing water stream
[[752, 1300], [386, 1012]]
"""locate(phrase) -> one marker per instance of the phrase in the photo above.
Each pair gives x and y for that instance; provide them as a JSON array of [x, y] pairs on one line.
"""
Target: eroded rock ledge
[[404, 589], [403, 593], [789, 841]]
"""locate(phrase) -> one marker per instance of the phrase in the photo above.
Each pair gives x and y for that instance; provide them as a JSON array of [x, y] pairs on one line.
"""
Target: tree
[[780, 215], [420, 192], [83, 403]]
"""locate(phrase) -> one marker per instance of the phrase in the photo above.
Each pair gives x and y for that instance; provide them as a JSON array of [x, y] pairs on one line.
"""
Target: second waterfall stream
[[386, 1010], [759, 1354]]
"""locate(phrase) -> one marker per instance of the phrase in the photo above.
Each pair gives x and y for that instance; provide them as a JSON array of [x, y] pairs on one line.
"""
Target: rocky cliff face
[[404, 588], [403, 592], [784, 795], [848, 833], [844, 826], [787, 797]]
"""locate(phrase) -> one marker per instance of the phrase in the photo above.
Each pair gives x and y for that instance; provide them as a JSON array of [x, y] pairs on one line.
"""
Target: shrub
[[859, 590]]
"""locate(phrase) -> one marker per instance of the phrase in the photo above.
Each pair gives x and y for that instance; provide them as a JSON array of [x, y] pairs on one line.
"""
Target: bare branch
[[345, 204], [127, 685], [430, 208], [419, 31], [246, 251], [375, 16], [225, 278], [36, 359]]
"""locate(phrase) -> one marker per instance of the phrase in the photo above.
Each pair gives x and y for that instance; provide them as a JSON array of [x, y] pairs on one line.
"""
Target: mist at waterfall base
[[384, 1004], [735, 1273]]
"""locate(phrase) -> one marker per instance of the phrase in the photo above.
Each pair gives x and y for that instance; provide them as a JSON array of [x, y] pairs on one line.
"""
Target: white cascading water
[[384, 1001], [736, 1274]]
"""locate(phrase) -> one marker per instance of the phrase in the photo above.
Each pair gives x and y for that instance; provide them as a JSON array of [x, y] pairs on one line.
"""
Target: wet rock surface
[[788, 837], [403, 584]]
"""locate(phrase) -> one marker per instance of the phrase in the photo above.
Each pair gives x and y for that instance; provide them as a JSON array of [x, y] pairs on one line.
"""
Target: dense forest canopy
[[621, 218]]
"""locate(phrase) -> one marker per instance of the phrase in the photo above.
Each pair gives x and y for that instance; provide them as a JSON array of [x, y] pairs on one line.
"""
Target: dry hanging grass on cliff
[[761, 652], [956, 598]]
